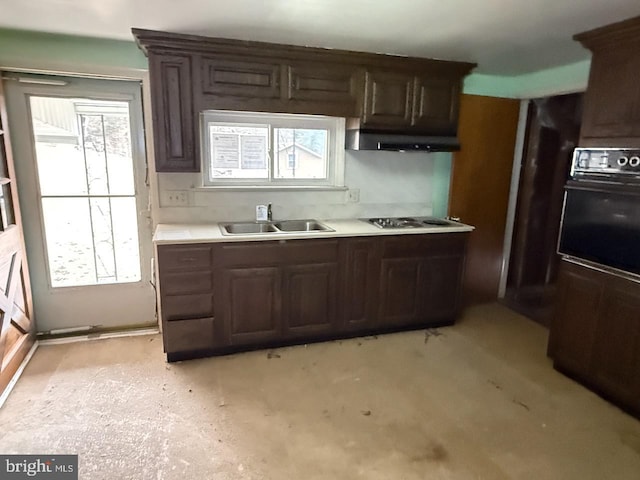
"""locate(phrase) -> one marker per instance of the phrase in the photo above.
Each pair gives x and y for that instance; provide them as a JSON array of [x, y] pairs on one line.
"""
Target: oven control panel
[[614, 164]]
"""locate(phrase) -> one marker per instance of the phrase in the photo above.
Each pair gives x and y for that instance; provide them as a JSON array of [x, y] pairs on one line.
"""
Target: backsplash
[[389, 184]]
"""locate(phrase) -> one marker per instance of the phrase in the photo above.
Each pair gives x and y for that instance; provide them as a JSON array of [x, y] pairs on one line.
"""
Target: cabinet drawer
[[188, 335], [282, 251], [249, 254], [186, 283], [181, 257], [309, 251], [423, 245], [180, 307]]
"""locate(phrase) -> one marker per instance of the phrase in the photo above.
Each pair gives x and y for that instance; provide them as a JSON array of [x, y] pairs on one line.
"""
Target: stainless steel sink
[[302, 226], [285, 226], [248, 227]]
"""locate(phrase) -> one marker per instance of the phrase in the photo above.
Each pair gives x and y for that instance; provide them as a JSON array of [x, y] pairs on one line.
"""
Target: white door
[[81, 172]]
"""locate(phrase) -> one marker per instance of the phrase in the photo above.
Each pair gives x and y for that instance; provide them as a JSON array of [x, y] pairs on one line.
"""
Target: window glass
[[85, 169], [301, 153], [237, 151], [260, 149]]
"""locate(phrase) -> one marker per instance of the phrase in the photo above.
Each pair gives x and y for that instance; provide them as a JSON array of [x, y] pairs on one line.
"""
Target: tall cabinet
[[595, 331], [612, 102]]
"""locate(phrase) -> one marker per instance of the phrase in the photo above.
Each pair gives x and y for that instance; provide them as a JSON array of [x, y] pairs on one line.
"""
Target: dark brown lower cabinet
[[274, 291], [185, 278], [310, 296], [420, 279], [573, 330], [250, 311], [359, 283], [595, 334], [442, 288], [400, 285], [616, 361], [222, 297]]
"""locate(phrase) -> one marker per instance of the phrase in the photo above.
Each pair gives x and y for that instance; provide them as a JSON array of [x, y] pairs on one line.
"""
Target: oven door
[[601, 224]]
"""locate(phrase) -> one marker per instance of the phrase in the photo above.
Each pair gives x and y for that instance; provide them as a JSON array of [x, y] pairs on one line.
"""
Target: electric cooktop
[[409, 222]]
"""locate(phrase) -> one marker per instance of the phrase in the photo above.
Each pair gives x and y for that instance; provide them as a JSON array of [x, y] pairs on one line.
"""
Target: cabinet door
[[436, 104], [420, 279], [360, 279], [612, 101], [573, 328], [399, 291], [322, 89], [173, 113], [388, 100], [616, 359], [310, 299], [251, 304], [440, 286], [234, 83]]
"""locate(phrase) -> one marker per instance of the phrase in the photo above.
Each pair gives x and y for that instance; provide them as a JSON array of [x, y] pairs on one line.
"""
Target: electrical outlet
[[354, 195], [175, 198]]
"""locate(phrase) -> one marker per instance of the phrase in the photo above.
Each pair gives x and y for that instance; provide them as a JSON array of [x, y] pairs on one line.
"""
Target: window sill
[[271, 188]]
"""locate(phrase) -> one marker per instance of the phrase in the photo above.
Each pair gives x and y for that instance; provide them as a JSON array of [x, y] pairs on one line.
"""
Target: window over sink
[[247, 149]]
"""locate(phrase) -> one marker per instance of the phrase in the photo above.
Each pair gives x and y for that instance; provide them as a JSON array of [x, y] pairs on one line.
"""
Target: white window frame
[[335, 148]]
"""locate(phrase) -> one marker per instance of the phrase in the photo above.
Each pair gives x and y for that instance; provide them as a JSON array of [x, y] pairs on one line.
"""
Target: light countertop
[[211, 232]]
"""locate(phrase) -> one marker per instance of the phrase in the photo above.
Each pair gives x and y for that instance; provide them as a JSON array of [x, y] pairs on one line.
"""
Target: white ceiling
[[502, 36]]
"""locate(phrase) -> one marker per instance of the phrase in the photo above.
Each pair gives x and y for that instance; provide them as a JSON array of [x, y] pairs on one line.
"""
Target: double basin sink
[[285, 226]]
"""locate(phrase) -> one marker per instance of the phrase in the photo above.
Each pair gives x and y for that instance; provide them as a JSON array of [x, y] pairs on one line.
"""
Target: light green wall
[[25, 49], [441, 183], [488, 85], [557, 80]]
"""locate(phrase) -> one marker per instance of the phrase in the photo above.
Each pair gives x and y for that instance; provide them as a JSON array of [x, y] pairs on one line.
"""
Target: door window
[[87, 190]]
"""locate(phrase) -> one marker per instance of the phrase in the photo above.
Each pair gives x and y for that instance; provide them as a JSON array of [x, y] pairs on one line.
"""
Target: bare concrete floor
[[479, 400]]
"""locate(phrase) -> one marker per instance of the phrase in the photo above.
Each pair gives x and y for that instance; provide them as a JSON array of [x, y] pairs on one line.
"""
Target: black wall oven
[[601, 213]]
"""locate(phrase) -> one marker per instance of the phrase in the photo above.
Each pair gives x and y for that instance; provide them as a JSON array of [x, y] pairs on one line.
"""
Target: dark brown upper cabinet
[[330, 89], [426, 104], [388, 100], [190, 74], [612, 102], [228, 82], [173, 113], [265, 84], [225, 76], [436, 102]]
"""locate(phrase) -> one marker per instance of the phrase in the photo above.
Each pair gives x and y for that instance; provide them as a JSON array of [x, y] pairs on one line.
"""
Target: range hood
[[396, 142]]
